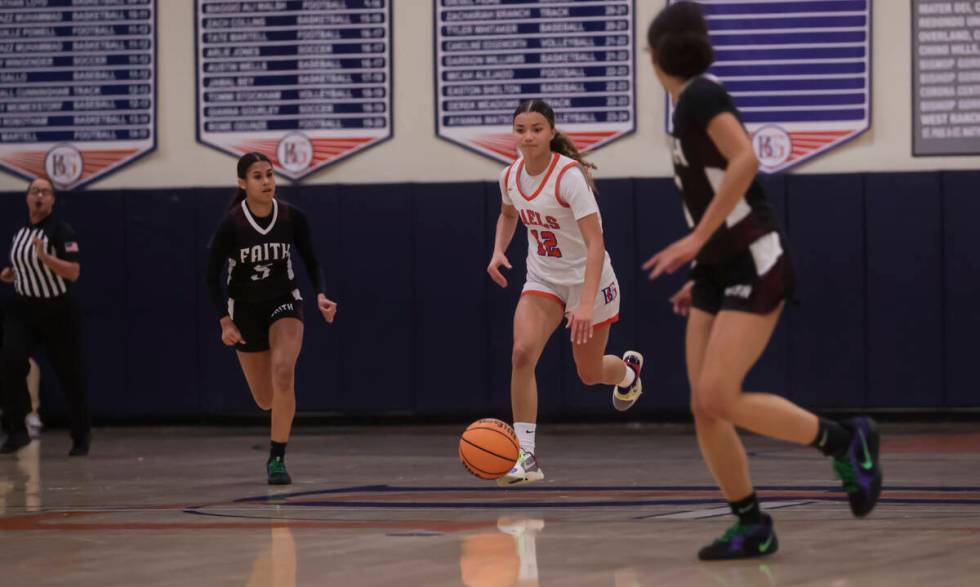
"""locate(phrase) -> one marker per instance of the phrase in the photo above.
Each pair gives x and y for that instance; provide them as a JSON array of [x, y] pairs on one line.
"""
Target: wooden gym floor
[[621, 506]]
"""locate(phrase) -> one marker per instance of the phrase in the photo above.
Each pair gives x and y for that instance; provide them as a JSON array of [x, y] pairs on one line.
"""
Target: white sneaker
[[624, 400], [526, 470], [33, 424]]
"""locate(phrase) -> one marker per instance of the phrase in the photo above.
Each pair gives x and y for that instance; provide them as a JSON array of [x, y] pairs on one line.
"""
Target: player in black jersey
[[263, 314], [740, 281]]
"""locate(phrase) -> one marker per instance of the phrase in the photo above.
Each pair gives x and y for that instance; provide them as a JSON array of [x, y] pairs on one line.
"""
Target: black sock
[[278, 450], [832, 438], [747, 509]]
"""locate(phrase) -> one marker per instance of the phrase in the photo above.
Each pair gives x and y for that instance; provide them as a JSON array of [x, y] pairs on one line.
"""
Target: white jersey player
[[569, 274]]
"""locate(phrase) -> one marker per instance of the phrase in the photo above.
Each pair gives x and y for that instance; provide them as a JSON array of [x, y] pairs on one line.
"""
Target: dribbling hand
[[681, 301], [230, 335], [493, 268], [327, 307]]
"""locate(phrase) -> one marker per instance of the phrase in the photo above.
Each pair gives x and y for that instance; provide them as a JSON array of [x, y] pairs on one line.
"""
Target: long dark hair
[[679, 39], [244, 162], [561, 143]]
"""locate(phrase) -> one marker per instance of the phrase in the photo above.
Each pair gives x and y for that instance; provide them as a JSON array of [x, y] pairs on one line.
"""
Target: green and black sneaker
[[743, 541], [859, 469], [278, 475]]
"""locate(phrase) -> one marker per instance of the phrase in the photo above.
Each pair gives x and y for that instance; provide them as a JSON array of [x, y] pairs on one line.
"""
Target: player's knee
[[521, 357], [705, 413], [710, 401], [282, 376]]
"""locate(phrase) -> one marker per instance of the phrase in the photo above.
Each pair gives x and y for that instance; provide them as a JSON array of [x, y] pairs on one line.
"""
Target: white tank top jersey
[[550, 206]]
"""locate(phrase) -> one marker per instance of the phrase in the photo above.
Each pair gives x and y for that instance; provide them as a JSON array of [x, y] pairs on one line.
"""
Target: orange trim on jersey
[[543, 294], [507, 176], [563, 203], [520, 166], [609, 322]]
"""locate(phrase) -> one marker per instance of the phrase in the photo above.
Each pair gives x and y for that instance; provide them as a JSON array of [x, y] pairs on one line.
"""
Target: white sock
[[628, 379], [528, 553], [525, 435]]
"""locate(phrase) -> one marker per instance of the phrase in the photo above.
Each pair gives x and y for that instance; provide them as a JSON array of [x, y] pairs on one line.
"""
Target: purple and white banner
[[77, 87], [491, 55], [306, 82], [799, 72]]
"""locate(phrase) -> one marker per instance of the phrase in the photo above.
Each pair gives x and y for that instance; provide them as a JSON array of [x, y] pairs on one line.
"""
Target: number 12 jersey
[[550, 206]]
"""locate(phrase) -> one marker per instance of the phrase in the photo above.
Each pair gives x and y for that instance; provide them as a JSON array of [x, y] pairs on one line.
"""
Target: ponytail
[[563, 145]]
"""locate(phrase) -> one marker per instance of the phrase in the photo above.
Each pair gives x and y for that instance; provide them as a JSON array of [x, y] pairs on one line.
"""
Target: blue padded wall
[[888, 274], [658, 221], [450, 298], [376, 278], [827, 341], [903, 232], [961, 286]]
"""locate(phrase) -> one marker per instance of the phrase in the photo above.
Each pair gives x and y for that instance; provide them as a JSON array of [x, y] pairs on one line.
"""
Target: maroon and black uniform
[[257, 254], [743, 266]]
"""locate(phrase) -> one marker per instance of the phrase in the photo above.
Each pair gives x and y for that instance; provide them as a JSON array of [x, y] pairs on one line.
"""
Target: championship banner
[[493, 54], [945, 77], [306, 82], [799, 72], [77, 87]]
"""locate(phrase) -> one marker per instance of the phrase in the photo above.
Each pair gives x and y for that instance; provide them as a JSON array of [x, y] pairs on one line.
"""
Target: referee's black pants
[[55, 325]]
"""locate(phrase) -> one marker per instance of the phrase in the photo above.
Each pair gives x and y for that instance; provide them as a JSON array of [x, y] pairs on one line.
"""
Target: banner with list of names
[[945, 77], [306, 82], [77, 87], [491, 55]]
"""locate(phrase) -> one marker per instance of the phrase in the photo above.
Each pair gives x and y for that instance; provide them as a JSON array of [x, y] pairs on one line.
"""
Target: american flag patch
[[71, 247]]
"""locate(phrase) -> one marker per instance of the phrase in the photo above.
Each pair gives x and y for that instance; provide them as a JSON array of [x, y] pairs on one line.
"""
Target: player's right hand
[[230, 335], [7, 275], [681, 301], [493, 268]]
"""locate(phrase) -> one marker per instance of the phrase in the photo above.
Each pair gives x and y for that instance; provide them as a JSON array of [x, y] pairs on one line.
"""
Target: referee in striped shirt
[[44, 258]]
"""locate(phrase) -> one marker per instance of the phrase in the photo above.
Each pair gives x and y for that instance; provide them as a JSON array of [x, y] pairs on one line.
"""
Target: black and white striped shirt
[[33, 278]]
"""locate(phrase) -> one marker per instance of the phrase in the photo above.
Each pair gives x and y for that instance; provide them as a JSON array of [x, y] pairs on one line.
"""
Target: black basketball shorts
[[755, 281], [254, 319]]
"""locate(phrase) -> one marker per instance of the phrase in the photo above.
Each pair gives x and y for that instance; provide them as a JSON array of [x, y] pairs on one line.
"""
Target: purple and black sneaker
[[859, 469], [743, 541]]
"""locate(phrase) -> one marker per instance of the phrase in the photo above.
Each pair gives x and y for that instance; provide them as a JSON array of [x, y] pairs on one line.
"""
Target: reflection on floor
[[622, 506]]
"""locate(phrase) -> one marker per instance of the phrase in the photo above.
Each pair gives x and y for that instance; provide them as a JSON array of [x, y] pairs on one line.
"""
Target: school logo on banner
[[799, 72], [491, 57], [305, 83], [77, 88]]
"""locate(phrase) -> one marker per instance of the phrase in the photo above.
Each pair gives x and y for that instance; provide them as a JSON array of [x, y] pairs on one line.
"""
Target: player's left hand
[[681, 301], [327, 307], [673, 257], [580, 324]]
